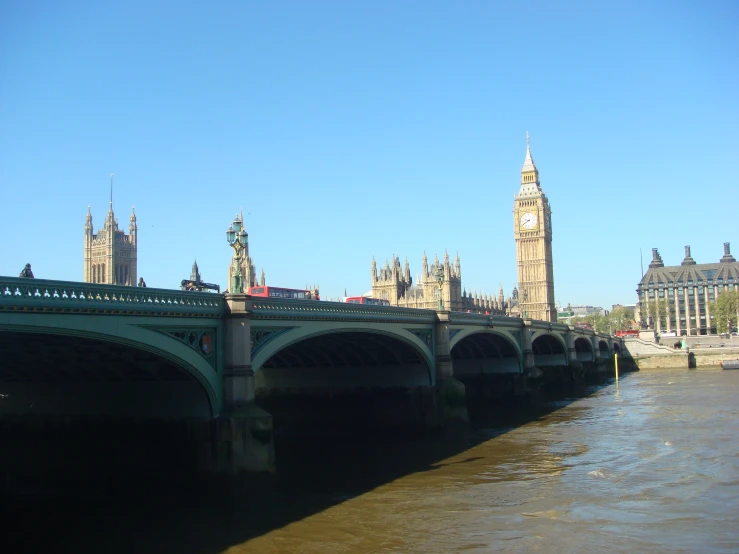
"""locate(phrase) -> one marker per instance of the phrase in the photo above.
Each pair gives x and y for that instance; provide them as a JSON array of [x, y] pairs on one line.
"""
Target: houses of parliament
[[111, 254], [534, 296], [111, 257]]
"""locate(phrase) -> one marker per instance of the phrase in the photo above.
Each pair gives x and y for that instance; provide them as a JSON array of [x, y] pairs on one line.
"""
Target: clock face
[[528, 220]]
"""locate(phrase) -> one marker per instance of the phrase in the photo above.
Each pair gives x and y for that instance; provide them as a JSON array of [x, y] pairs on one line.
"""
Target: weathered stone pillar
[[242, 434], [451, 401], [570, 339], [529, 363], [238, 375], [596, 348]]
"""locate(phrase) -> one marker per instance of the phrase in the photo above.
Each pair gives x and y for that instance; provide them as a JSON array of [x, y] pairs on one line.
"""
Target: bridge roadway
[[80, 349]]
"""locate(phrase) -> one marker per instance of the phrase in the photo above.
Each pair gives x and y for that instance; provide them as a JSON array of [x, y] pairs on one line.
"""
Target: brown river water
[[650, 465]]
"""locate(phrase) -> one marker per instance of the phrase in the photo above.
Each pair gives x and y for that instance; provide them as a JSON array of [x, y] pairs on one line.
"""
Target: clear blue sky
[[348, 130]]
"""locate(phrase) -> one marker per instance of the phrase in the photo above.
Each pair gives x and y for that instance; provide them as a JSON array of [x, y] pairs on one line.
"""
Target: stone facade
[[532, 228], [684, 293], [111, 255], [395, 284]]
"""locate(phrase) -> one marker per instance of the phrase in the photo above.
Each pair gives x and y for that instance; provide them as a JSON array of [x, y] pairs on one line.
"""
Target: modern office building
[[678, 298]]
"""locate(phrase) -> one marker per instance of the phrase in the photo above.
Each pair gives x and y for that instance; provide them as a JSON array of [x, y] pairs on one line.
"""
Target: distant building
[[630, 308], [565, 315], [532, 224], [677, 298], [394, 283], [111, 255], [579, 311], [569, 313], [533, 236]]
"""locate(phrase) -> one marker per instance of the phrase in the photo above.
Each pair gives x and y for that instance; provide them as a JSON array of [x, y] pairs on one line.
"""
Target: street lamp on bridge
[[238, 239], [440, 282]]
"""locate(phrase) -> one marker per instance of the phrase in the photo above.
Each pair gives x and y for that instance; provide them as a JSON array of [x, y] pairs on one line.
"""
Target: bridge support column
[[577, 369], [529, 367], [450, 398], [570, 340], [241, 437]]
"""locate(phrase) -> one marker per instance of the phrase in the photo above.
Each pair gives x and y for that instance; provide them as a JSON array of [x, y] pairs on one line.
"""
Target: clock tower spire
[[532, 229]]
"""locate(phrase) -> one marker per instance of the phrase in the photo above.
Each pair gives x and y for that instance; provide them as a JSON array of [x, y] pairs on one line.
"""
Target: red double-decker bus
[[627, 333], [279, 292], [366, 300]]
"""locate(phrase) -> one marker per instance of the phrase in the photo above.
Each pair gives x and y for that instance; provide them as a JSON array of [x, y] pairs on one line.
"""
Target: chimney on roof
[[656, 259], [728, 258], [688, 259]]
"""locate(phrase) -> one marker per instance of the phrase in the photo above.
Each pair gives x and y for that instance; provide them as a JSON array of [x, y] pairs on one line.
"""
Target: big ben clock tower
[[532, 224]]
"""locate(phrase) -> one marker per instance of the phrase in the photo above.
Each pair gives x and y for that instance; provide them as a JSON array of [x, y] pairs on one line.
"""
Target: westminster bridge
[[230, 363]]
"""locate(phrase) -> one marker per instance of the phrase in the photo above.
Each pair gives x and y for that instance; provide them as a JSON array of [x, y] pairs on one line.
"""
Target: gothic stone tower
[[110, 255], [532, 224]]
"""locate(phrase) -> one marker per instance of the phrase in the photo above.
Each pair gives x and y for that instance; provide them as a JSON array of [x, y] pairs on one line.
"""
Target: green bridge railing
[[45, 295], [268, 308]]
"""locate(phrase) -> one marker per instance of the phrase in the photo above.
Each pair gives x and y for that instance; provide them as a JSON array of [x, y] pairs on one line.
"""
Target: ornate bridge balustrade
[[18, 294]]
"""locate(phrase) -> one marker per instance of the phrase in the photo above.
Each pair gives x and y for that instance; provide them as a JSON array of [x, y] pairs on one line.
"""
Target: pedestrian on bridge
[[27, 272], [142, 283]]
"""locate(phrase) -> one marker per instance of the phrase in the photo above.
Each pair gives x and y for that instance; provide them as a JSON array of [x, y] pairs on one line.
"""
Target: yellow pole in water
[[615, 359]]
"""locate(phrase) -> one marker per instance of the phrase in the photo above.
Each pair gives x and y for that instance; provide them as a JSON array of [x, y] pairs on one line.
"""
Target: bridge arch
[[549, 350], [139, 371], [584, 350], [326, 357], [480, 351], [603, 350]]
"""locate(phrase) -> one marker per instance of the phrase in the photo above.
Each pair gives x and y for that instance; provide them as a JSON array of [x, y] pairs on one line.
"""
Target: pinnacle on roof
[[528, 163]]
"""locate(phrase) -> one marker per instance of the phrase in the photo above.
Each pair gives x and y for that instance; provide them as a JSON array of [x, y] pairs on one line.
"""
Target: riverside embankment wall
[[648, 355]]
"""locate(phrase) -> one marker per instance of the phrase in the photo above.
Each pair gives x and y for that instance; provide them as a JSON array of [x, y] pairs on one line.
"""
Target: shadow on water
[[56, 496]]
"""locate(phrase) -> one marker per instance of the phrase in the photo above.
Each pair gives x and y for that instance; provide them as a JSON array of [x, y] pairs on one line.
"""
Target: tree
[[657, 310], [621, 317], [598, 321], [724, 310]]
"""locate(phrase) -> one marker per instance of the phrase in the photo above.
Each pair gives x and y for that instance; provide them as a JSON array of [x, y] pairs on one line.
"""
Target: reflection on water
[[650, 466]]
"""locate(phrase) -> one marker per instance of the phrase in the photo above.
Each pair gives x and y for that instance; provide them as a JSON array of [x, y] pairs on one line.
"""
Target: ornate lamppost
[[238, 239], [440, 282]]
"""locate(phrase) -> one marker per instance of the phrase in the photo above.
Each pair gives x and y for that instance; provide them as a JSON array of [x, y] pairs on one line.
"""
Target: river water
[[648, 465]]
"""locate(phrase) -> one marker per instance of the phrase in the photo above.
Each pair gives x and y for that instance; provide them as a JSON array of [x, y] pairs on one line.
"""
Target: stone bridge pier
[[241, 437], [450, 404]]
